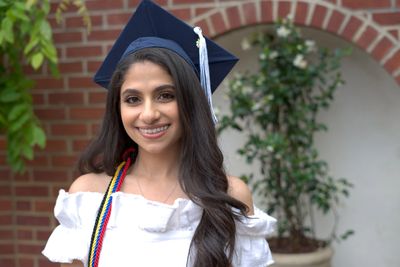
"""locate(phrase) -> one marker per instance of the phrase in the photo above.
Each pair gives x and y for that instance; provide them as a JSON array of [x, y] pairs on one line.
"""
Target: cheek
[[176, 114], [174, 111], [127, 116]]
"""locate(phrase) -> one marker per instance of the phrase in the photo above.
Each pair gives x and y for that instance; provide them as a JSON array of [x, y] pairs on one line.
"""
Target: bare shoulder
[[240, 191], [90, 182]]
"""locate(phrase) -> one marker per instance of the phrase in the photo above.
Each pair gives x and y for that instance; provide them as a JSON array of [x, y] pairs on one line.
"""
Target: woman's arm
[[73, 264], [239, 190], [88, 182]]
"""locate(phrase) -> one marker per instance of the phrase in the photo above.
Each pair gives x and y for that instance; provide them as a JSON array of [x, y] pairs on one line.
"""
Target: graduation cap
[[152, 26]]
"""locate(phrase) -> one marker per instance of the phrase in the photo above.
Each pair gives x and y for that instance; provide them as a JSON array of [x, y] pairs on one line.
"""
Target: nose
[[150, 113]]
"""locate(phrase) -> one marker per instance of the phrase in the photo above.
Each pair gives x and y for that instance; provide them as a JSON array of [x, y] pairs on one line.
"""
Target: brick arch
[[355, 27]]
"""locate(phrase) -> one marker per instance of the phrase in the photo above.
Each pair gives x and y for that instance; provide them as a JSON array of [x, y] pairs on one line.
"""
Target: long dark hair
[[201, 175]]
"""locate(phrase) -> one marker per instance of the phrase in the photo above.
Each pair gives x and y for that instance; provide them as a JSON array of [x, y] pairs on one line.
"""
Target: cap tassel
[[204, 70]]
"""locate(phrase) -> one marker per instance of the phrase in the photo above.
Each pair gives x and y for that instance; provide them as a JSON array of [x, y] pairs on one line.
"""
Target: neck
[[159, 166]]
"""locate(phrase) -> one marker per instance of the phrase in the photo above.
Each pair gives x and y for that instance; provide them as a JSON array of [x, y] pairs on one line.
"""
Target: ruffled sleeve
[[70, 240], [252, 249]]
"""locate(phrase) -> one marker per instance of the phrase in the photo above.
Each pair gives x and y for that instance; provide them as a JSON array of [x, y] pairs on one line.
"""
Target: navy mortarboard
[[152, 26]]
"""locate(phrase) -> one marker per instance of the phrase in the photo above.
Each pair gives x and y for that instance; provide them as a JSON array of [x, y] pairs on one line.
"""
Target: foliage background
[[277, 108], [26, 39]]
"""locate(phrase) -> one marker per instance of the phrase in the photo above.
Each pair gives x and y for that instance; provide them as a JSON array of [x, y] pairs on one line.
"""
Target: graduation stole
[[104, 212]]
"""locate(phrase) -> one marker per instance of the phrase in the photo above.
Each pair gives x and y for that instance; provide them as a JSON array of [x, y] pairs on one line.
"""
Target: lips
[[154, 131]]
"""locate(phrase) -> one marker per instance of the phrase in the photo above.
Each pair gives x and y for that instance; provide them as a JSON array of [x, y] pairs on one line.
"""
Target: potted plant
[[277, 107]]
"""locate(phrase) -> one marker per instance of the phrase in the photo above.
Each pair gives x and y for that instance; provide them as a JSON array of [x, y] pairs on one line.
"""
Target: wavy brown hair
[[201, 174]]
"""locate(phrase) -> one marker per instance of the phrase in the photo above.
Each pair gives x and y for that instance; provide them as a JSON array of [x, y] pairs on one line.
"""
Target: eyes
[[161, 97]]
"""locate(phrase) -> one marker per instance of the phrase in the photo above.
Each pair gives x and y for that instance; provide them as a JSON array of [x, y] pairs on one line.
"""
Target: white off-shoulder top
[[146, 233]]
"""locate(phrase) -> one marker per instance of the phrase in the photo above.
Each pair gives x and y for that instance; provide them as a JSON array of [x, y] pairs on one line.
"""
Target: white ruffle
[[153, 221], [259, 224], [76, 214], [252, 249]]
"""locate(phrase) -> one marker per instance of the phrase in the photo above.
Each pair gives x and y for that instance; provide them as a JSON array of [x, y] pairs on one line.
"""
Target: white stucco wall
[[362, 144]]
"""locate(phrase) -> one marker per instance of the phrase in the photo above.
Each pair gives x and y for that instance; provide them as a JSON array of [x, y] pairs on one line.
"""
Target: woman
[[175, 205]]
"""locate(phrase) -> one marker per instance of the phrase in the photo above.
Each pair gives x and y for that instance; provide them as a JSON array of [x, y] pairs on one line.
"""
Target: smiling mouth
[[151, 131]]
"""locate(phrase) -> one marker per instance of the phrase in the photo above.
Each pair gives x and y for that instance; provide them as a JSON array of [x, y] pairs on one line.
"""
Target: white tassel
[[205, 70]]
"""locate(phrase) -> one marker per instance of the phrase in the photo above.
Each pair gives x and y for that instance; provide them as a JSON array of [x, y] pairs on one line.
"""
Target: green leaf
[[45, 29], [39, 136], [19, 12], [45, 6], [32, 43], [37, 60], [27, 151], [9, 96], [82, 10], [347, 234], [25, 28], [7, 26], [30, 3], [54, 70], [19, 5], [17, 111], [18, 165], [50, 52], [3, 121], [20, 122], [3, 3], [15, 144], [63, 6]]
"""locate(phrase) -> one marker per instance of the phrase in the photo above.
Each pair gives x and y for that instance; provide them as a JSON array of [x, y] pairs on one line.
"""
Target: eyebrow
[[156, 90]]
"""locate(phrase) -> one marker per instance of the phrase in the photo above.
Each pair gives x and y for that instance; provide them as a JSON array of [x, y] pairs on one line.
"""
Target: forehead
[[145, 74], [146, 66]]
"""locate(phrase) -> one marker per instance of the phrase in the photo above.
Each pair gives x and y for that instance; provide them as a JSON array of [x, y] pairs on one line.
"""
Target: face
[[149, 109]]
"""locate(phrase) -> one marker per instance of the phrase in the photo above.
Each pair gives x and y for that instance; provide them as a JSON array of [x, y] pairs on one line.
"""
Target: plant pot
[[319, 258]]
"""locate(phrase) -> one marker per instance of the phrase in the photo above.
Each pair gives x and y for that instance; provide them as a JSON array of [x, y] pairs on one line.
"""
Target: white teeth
[[154, 130]]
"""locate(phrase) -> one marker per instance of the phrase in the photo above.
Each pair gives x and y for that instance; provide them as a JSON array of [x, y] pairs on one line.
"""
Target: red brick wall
[[70, 107], [372, 25]]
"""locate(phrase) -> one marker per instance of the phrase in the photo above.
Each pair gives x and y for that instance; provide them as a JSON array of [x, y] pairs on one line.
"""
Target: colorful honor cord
[[103, 215]]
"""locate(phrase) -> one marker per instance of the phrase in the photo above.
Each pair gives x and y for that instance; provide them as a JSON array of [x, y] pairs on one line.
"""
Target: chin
[[159, 148], [153, 149]]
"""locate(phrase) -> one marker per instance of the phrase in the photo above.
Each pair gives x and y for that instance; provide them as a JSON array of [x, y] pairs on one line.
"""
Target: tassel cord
[[205, 70]]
